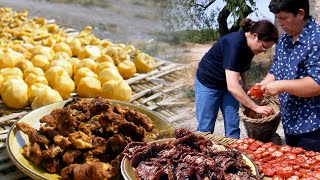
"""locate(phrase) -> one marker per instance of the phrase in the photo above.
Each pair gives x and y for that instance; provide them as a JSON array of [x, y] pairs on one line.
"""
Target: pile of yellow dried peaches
[[40, 63]]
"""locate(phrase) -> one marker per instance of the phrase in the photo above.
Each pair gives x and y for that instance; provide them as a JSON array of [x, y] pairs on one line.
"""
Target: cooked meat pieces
[[99, 105], [134, 116], [119, 109], [91, 126], [34, 136], [61, 120], [118, 142], [139, 119], [33, 153], [52, 165], [67, 172], [51, 152], [88, 171], [89, 158], [80, 109], [80, 140], [116, 162], [136, 133], [70, 155], [99, 145], [61, 141], [109, 119], [48, 131]]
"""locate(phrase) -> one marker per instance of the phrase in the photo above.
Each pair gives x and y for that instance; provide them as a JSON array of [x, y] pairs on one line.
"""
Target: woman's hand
[[265, 110], [252, 96], [272, 88]]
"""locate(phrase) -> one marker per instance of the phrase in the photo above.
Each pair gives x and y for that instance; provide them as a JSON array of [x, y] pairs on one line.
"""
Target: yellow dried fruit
[[1, 80], [24, 64], [130, 49], [43, 50], [75, 46], [108, 74], [53, 73], [83, 72], [10, 59], [116, 53], [104, 58], [116, 89], [89, 87], [87, 62], [32, 79], [61, 56], [74, 62], [144, 63], [127, 69], [15, 93], [35, 90], [89, 51], [11, 72], [104, 65], [64, 85], [40, 61], [62, 47], [62, 63], [47, 96], [34, 70]]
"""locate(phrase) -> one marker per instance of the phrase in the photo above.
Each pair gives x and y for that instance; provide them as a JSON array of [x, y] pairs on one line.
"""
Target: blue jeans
[[208, 102]]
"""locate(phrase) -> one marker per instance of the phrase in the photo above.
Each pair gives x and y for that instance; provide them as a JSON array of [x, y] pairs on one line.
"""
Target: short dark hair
[[290, 6], [265, 29]]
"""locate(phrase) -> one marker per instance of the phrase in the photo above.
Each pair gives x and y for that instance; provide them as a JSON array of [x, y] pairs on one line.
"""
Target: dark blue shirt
[[229, 52], [295, 61]]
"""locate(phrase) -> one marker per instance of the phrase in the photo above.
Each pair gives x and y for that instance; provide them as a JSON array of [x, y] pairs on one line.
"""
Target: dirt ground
[[129, 22]]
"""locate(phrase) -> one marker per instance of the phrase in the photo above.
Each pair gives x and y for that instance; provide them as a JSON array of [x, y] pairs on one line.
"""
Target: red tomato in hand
[[256, 91]]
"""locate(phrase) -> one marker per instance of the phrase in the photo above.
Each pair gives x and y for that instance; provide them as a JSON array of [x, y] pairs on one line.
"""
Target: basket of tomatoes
[[259, 126]]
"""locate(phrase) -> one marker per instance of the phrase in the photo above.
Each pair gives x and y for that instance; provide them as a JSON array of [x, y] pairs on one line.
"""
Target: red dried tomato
[[277, 154], [290, 155], [317, 157], [297, 150], [256, 91], [285, 172], [285, 148], [269, 171], [310, 153]]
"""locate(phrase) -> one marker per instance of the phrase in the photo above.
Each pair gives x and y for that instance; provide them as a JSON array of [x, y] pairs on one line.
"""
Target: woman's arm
[[244, 81], [236, 90], [305, 87], [269, 78]]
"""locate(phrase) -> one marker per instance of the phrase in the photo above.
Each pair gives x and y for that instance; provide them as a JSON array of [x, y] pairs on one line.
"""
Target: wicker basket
[[262, 129]]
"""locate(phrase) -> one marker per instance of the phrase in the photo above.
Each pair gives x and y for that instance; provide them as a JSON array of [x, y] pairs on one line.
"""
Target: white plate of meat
[[187, 157], [75, 139]]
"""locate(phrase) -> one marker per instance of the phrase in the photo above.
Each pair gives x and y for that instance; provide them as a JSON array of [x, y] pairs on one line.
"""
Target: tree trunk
[[223, 24], [222, 20]]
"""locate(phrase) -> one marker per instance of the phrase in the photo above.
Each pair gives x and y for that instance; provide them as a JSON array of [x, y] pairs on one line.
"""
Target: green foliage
[[198, 14]]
